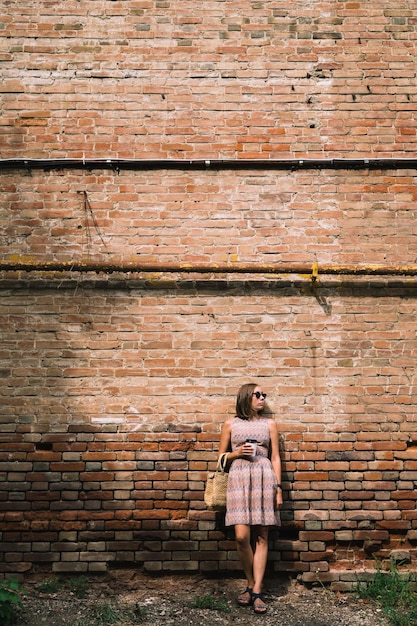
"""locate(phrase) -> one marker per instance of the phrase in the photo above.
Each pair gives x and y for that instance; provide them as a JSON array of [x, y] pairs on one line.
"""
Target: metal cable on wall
[[109, 267], [232, 164]]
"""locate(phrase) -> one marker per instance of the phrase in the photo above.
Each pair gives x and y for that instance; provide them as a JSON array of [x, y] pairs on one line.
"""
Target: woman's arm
[[275, 457], [225, 445], [225, 437]]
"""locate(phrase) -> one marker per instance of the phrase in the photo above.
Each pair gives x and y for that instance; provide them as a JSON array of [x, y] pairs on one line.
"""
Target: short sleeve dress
[[252, 484]]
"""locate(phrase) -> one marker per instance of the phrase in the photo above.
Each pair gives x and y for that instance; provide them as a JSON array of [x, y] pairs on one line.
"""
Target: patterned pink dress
[[252, 484]]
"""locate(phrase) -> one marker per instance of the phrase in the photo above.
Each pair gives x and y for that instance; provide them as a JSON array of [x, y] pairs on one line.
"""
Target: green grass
[[51, 585], [9, 601], [106, 613], [210, 602], [395, 593], [79, 585]]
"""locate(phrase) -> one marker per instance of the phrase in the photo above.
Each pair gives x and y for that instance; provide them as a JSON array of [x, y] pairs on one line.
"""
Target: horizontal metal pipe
[[216, 164], [108, 267]]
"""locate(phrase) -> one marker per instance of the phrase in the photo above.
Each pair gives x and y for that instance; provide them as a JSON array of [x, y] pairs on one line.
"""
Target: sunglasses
[[258, 394]]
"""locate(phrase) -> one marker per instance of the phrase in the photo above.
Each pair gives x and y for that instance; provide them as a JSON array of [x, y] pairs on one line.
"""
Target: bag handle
[[222, 462]]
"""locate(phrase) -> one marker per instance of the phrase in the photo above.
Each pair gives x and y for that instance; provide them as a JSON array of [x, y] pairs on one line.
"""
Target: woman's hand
[[245, 451], [278, 497]]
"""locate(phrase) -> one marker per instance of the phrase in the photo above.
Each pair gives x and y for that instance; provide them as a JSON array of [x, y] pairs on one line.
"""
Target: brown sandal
[[243, 599]]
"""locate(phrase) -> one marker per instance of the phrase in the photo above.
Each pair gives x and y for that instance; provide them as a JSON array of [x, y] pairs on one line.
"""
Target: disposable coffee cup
[[254, 444]]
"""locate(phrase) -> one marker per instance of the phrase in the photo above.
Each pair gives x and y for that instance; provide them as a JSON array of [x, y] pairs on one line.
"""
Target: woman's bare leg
[[245, 551], [260, 555]]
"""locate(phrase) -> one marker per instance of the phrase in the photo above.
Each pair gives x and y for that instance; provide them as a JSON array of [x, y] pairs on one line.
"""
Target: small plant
[[140, 612], [107, 613], [51, 585], [79, 586], [210, 602], [396, 594], [9, 601]]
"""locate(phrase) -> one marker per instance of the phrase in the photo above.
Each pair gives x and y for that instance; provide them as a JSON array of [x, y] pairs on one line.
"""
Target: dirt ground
[[130, 597]]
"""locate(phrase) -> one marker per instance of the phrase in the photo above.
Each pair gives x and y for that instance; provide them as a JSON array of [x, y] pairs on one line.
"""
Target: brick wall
[[114, 394], [114, 387], [229, 78]]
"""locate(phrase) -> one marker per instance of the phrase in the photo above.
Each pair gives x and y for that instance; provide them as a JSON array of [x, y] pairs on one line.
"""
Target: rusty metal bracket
[[315, 273]]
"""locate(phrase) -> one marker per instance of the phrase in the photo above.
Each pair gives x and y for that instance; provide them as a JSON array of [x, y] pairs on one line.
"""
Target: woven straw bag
[[216, 487]]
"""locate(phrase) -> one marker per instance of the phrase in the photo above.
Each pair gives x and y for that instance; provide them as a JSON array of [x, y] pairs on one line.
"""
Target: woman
[[254, 492]]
